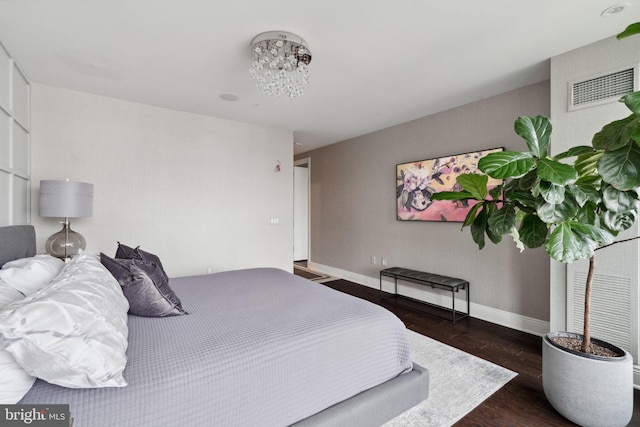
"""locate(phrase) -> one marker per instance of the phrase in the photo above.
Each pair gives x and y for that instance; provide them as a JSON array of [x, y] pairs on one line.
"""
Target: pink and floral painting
[[417, 181]]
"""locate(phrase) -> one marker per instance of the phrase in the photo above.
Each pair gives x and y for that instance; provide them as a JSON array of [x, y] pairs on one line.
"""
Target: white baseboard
[[442, 298]]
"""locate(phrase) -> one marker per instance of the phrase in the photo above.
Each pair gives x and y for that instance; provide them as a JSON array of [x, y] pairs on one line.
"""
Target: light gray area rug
[[458, 382]]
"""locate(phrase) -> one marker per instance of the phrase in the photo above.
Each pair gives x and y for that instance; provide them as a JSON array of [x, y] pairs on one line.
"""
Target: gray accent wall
[[352, 207]]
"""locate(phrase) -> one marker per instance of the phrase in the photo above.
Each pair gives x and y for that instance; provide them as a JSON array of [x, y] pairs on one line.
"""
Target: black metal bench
[[434, 281]]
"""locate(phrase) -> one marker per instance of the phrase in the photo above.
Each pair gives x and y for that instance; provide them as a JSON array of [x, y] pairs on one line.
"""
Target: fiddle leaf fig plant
[[574, 203]]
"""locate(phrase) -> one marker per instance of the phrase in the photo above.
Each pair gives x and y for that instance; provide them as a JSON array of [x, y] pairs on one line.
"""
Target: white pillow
[[73, 332], [29, 274], [8, 294], [14, 381]]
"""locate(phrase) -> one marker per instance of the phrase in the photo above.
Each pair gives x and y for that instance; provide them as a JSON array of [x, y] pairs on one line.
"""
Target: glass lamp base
[[65, 243]]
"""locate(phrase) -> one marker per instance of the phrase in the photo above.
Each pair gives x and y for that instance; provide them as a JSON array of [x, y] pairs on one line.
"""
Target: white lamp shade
[[66, 199]]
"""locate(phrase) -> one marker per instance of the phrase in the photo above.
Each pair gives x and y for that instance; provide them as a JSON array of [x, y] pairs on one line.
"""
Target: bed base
[[377, 405]]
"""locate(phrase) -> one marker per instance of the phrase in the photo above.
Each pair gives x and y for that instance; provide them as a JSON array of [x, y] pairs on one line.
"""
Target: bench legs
[[453, 303], [453, 290]]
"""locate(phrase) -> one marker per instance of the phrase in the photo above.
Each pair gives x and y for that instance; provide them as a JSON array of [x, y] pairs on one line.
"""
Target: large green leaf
[[635, 135], [589, 179], [583, 193], [598, 235], [621, 168], [587, 213], [528, 181], [552, 193], [475, 184], [630, 30], [615, 134], [533, 231], [556, 213], [587, 164], [452, 195], [535, 190], [479, 227], [496, 192], [618, 201], [525, 198], [632, 101], [556, 172], [573, 152], [503, 220], [471, 215], [506, 164], [492, 209], [516, 238], [510, 184], [537, 132], [619, 221], [566, 245]]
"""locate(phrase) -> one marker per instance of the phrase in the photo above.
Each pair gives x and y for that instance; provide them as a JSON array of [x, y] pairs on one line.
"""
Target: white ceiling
[[376, 63]]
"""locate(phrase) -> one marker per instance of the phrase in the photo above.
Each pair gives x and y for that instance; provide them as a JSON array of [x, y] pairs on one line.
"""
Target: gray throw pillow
[[127, 252], [145, 286], [119, 268]]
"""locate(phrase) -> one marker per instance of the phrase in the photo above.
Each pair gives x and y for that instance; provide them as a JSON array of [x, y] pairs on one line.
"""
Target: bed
[[258, 347]]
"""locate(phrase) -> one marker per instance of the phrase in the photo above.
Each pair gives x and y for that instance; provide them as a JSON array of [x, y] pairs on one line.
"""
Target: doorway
[[301, 202]]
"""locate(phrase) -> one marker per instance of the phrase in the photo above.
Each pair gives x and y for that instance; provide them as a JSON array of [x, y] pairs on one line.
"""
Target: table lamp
[[65, 199]]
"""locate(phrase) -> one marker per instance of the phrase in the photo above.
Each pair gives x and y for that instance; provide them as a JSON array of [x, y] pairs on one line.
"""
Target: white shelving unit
[[15, 143]]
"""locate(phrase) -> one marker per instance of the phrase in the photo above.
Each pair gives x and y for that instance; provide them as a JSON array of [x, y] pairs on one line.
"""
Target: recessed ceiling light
[[612, 10], [229, 97]]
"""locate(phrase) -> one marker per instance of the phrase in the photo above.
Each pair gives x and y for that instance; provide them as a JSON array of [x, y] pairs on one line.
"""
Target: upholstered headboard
[[17, 241]]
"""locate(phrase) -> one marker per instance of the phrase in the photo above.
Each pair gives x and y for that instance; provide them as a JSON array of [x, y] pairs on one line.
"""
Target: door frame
[[306, 161]]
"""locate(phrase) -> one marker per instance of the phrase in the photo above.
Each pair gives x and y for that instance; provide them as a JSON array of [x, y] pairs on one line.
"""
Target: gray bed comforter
[[259, 347]]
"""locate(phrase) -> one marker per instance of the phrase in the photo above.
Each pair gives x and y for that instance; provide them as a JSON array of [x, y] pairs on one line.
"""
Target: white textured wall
[[196, 190]]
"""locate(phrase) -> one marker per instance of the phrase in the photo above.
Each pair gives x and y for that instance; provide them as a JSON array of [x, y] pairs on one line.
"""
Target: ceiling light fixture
[[280, 63]]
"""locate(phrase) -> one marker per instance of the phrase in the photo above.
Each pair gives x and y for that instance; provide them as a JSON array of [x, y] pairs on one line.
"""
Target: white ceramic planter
[[590, 391]]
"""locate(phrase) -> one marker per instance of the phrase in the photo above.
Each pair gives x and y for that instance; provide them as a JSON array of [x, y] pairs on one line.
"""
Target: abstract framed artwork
[[417, 181]]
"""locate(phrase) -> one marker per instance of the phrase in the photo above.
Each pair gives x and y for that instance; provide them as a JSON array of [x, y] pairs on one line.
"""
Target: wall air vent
[[610, 308], [602, 89]]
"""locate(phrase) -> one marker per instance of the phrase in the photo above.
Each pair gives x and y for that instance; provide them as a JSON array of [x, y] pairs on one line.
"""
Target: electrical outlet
[[209, 270], [384, 262], [372, 260]]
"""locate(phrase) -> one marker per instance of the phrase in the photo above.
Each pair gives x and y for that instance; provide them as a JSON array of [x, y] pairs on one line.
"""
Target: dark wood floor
[[519, 403]]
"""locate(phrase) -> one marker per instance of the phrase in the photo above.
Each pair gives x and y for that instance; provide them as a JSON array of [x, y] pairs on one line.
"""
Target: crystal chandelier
[[280, 63]]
